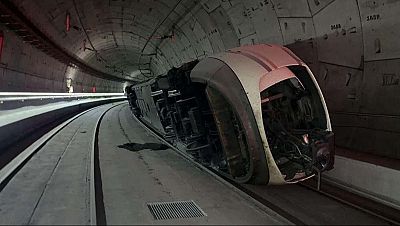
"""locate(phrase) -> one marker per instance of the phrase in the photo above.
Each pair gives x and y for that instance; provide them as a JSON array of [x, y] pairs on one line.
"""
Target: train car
[[255, 114]]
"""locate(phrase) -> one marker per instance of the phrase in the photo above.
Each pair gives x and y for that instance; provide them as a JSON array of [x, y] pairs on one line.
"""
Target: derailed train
[[255, 114]]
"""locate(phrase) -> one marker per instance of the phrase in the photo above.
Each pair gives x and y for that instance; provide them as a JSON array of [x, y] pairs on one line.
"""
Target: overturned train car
[[255, 114]]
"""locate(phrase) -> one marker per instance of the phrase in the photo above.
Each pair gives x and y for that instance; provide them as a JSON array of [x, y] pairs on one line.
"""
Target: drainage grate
[[175, 210]]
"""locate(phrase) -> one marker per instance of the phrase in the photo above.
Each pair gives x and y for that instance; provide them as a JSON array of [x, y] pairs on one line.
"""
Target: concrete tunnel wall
[[350, 45], [24, 68]]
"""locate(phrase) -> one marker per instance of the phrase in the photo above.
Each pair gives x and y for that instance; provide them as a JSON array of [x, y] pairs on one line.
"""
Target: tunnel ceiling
[[118, 37], [130, 37]]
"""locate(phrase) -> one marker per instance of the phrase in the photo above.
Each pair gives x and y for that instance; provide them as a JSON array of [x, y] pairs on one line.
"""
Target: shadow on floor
[[135, 147]]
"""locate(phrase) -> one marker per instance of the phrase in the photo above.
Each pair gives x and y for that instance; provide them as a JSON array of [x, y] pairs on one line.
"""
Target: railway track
[[53, 171], [260, 196], [364, 204]]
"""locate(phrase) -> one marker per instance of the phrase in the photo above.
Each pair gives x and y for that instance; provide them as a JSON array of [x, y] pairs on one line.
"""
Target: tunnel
[[97, 52]]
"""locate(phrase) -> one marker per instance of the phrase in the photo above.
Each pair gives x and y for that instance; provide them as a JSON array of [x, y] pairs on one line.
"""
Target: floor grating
[[175, 210]]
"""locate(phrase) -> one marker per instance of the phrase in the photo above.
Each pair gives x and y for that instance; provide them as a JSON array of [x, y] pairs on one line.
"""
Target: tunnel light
[[68, 21]]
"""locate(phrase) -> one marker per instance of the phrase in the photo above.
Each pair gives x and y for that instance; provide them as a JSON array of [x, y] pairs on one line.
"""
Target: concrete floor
[[132, 178], [53, 187]]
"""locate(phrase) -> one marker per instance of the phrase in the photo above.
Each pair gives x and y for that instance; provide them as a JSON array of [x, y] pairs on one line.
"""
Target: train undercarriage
[[200, 120]]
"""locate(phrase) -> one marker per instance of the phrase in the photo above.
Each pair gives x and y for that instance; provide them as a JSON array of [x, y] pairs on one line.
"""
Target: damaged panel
[[378, 19], [339, 38], [380, 88], [228, 4], [296, 29], [172, 54], [265, 22], [317, 5], [225, 28], [341, 86], [376, 127], [168, 54], [162, 59], [188, 29], [375, 134], [307, 51], [211, 31], [202, 40], [181, 43], [240, 20], [298, 8], [249, 40], [185, 44], [210, 5], [157, 67], [176, 47]]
